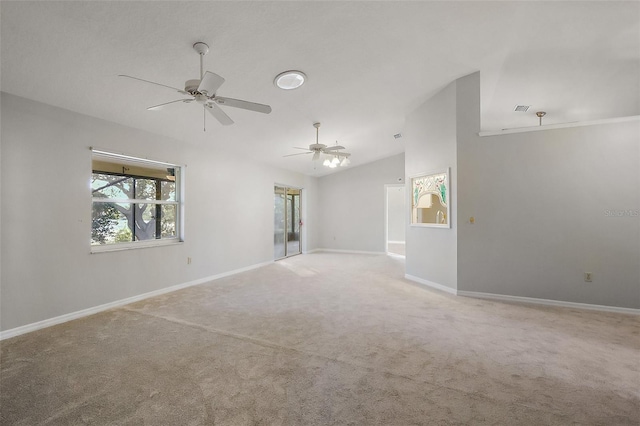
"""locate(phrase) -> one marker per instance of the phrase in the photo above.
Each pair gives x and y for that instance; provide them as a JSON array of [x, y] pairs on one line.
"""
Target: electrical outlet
[[188, 261], [588, 277]]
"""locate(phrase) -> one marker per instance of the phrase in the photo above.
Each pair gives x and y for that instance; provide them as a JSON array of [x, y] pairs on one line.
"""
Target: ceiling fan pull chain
[[204, 119]]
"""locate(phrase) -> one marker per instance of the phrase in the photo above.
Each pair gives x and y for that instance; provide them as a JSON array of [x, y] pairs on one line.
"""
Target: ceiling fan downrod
[[317, 126], [202, 49]]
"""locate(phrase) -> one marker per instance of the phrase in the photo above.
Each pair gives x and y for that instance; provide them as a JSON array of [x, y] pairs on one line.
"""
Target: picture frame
[[431, 199]]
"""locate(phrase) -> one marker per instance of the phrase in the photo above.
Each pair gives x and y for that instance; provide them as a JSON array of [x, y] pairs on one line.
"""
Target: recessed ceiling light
[[290, 80]]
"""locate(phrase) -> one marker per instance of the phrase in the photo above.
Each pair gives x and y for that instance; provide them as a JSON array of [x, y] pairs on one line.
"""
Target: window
[[135, 202]]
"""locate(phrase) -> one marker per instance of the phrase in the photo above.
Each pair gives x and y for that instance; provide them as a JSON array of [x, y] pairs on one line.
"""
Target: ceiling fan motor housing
[[191, 86]]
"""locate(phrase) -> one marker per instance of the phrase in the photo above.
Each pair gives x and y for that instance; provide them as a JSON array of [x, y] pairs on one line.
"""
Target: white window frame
[[179, 203]]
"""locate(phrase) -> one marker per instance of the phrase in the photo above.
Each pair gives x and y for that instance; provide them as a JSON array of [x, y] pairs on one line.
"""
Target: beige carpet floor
[[325, 339]]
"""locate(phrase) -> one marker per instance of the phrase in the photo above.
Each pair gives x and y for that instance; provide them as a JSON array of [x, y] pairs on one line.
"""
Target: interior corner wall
[[396, 212], [548, 205], [310, 214], [47, 267], [351, 205], [430, 146]]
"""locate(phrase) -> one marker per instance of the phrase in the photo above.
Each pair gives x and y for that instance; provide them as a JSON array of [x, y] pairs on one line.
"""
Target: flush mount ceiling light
[[290, 80]]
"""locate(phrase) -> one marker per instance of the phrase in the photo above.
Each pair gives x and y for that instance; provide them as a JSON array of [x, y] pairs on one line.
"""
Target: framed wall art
[[430, 199]]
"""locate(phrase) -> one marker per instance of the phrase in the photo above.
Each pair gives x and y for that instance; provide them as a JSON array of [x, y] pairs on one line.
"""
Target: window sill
[[135, 246]]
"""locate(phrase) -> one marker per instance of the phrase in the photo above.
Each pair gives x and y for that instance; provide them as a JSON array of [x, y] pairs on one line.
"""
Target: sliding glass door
[[286, 236]]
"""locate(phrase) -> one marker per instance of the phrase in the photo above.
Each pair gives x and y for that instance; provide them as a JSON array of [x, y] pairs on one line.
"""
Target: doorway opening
[[395, 216], [287, 222]]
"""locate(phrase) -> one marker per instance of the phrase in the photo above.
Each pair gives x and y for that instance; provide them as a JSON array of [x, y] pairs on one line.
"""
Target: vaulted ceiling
[[368, 65]]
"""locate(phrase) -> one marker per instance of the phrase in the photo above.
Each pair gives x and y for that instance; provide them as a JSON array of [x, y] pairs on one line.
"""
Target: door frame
[[286, 246], [386, 213]]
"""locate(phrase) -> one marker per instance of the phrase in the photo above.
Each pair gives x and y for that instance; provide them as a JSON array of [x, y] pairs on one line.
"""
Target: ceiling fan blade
[[298, 147], [210, 83], [316, 156], [157, 84], [237, 103], [157, 107], [301, 153], [218, 114], [333, 148]]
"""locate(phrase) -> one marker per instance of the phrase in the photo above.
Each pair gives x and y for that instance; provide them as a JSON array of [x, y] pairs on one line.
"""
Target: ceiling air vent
[[522, 108]]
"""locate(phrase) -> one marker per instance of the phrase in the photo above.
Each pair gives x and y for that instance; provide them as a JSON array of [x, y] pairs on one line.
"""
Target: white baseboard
[[399, 256], [548, 302], [349, 251], [431, 284], [311, 251], [100, 308], [395, 242]]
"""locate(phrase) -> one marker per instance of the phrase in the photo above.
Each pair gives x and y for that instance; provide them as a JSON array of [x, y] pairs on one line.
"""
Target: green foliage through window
[[133, 201]]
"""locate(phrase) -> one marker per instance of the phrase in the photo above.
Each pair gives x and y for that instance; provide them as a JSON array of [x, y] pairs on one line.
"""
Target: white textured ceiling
[[368, 63]]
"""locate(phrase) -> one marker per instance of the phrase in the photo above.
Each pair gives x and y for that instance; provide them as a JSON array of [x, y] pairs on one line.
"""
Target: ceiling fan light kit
[[204, 92], [335, 156]]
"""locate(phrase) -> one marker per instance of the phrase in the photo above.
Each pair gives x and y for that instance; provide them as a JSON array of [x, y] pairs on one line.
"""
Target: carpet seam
[[271, 345]]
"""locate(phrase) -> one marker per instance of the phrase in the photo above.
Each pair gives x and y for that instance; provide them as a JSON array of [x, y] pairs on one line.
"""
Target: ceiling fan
[[335, 156], [203, 92]]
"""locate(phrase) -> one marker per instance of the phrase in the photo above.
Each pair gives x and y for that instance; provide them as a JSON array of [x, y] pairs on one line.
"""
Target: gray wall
[[351, 205], [47, 269], [540, 202], [396, 212], [309, 214], [430, 146], [544, 204]]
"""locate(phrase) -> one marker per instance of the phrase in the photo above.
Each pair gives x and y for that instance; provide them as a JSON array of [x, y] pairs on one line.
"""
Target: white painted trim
[[387, 186], [96, 309], [122, 156], [559, 126], [135, 245], [548, 302], [431, 284], [396, 242], [303, 229], [399, 256], [282, 185], [349, 251], [315, 250], [132, 201]]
